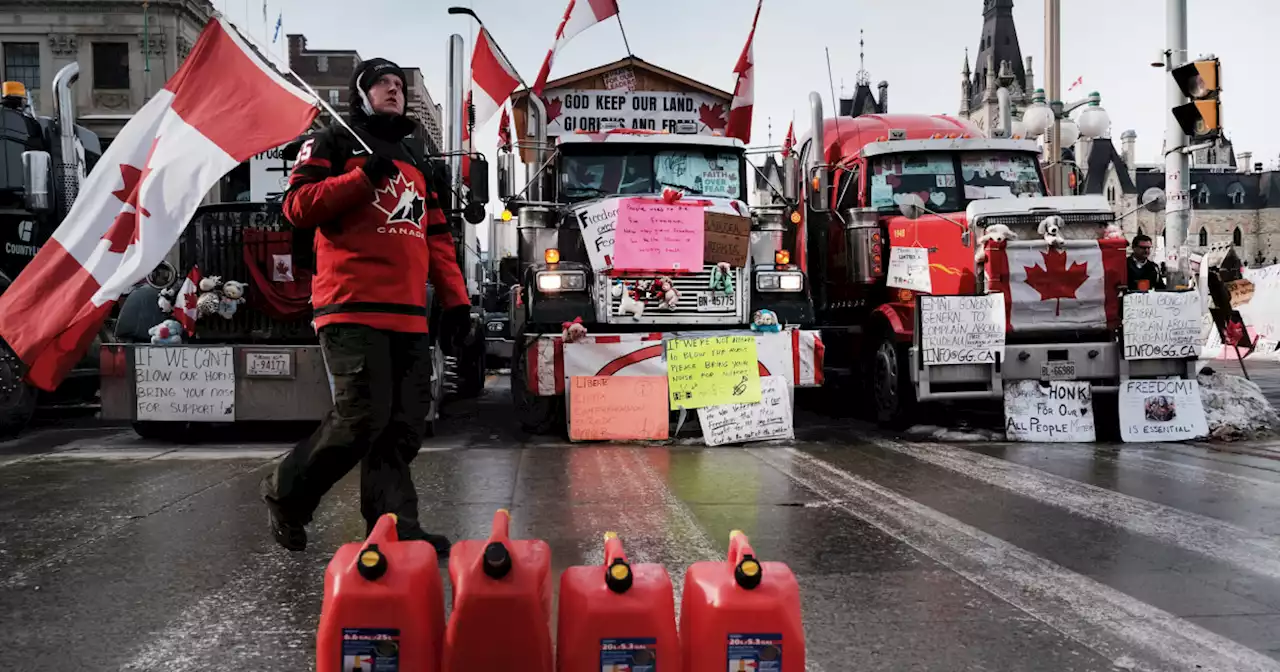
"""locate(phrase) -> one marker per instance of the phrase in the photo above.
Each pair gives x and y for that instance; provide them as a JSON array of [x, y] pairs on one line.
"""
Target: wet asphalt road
[[119, 554]]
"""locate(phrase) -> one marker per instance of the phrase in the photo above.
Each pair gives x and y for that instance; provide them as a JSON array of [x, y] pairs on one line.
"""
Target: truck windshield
[[947, 181], [590, 173]]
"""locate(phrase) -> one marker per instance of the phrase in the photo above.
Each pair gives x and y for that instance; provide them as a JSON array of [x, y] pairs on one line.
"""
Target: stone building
[[999, 63]]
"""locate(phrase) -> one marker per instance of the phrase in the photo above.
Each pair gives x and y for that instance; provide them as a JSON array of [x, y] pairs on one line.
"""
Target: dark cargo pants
[[381, 384]]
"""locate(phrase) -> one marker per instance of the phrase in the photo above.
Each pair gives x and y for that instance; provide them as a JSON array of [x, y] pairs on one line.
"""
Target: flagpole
[[618, 15]]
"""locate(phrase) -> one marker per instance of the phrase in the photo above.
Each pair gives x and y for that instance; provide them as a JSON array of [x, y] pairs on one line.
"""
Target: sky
[[918, 46]]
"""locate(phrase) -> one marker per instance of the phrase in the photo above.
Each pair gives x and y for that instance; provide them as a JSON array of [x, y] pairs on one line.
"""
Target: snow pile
[[937, 433], [1235, 408]]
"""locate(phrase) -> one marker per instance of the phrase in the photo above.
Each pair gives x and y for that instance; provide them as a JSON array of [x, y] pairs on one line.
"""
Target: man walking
[[379, 236]]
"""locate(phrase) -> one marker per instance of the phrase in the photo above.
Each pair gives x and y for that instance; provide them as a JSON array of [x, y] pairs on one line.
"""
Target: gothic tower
[[999, 63]]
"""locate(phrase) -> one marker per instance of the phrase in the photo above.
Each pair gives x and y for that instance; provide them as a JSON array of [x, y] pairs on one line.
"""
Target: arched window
[[1204, 237], [1202, 193], [1237, 237], [1236, 193]]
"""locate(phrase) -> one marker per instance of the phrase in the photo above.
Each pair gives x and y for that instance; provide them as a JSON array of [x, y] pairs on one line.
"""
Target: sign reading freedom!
[[570, 110]]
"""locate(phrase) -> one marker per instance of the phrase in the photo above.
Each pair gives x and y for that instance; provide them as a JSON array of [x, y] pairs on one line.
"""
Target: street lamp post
[[1053, 120]]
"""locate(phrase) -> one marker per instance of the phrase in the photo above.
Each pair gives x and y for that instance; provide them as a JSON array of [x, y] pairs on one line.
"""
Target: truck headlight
[[785, 281], [495, 326], [562, 281]]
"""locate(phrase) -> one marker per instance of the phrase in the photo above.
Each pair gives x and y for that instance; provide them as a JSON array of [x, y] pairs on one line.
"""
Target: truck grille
[[689, 285], [215, 240], [1079, 226]]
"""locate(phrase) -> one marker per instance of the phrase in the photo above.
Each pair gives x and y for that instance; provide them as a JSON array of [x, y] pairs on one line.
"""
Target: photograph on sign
[[909, 269], [769, 419], [727, 239], [962, 329], [658, 236], [1058, 411], [1161, 410], [1162, 325], [185, 384], [572, 110], [617, 408], [712, 371]]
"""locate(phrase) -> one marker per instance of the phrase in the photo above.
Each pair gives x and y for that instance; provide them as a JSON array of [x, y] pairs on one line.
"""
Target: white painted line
[[1215, 539], [1130, 633], [1188, 473]]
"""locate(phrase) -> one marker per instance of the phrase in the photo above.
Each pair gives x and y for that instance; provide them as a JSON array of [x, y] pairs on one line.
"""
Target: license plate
[[268, 364], [709, 302], [1058, 370]]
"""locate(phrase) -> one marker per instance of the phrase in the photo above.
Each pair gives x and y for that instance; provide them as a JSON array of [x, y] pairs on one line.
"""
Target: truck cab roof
[[873, 134], [635, 137]]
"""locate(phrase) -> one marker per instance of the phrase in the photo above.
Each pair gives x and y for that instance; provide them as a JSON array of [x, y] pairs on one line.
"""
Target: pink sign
[[657, 236]]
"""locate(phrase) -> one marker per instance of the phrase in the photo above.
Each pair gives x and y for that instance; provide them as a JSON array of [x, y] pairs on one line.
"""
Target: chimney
[[1031, 78], [1243, 163], [1127, 141], [884, 96], [846, 107]]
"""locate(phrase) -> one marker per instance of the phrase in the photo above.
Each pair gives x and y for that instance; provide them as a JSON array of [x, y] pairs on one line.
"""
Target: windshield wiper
[[687, 189], [585, 191]]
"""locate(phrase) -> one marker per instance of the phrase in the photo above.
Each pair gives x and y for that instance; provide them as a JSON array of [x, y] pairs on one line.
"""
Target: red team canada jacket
[[376, 245]]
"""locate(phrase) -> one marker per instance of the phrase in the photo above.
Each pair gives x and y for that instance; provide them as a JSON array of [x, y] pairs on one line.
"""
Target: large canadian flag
[[744, 92], [493, 80], [578, 16], [223, 106], [1074, 287]]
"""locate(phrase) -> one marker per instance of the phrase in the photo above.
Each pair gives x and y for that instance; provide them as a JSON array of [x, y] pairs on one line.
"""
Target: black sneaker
[[439, 542], [292, 536]]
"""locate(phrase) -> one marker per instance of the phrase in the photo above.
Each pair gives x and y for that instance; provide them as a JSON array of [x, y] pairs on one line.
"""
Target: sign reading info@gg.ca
[[1161, 325], [962, 329], [184, 384]]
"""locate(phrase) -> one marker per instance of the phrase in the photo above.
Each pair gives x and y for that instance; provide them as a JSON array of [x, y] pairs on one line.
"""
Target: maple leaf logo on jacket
[[1055, 280], [400, 201]]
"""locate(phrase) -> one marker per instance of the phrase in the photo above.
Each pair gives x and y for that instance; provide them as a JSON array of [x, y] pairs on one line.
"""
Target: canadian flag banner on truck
[[1072, 287], [744, 97], [578, 16], [223, 106]]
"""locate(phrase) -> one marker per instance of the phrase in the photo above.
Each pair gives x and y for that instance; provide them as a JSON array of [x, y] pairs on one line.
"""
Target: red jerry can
[[742, 614], [501, 616], [617, 617], [383, 606]]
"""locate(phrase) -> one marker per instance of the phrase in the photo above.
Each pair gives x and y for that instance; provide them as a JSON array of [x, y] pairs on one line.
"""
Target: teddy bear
[[722, 279], [574, 331], [1051, 229], [210, 283], [207, 304], [166, 300], [670, 295], [628, 303], [993, 233], [765, 320], [232, 296], [168, 332]]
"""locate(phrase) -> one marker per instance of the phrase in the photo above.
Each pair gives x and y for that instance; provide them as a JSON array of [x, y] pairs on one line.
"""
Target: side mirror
[[911, 205], [506, 176], [36, 176], [819, 194], [473, 212], [1153, 199], [479, 178], [791, 178]]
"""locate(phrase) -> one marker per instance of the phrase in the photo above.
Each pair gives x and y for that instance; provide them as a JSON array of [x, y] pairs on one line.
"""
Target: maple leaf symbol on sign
[[1055, 280], [713, 116], [553, 110]]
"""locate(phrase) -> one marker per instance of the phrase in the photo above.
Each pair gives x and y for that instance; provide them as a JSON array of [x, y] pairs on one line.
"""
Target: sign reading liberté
[[571, 110]]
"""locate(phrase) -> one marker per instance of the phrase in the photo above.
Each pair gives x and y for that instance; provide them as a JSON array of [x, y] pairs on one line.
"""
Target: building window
[[334, 96], [1204, 237], [1236, 193], [1202, 194], [322, 64], [110, 65], [1237, 237], [22, 64], [1111, 194]]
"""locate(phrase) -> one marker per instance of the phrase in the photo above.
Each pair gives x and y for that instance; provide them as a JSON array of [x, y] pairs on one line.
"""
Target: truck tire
[[17, 398], [471, 370], [893, 395], [536, 415]]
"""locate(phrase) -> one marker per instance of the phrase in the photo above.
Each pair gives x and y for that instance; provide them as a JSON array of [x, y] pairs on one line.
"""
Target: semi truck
[[43, 161], [566, 219], [975, 204]]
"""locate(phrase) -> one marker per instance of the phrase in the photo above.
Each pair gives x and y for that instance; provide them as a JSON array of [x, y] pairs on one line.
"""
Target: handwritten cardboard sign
[[727, 238], [712, 371], [1161, 410], [1162, 325], [962, 329], [657, 236], [1053, 412], [738, 423], [617, 408], [185, 384], [599, 222], [909, 269]]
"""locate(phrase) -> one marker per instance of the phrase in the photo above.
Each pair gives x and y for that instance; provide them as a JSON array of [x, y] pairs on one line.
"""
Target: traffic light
[[1201, 81]]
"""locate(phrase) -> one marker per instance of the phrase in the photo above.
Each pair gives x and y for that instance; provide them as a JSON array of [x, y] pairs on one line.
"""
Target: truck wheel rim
[[886, 377]]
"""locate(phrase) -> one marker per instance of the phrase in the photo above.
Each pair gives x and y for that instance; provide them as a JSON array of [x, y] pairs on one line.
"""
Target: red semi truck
[[864, 181]]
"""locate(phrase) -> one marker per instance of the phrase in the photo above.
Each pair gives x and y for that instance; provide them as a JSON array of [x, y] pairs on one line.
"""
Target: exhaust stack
[[64, 105], [457, 117]]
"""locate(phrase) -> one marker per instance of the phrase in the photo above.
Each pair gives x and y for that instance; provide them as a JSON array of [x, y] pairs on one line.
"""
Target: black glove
[[455, 326], [377, 167]]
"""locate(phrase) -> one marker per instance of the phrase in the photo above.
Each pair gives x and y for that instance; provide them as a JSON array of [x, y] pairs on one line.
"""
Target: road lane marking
[[1130, 633], [1216, 539]]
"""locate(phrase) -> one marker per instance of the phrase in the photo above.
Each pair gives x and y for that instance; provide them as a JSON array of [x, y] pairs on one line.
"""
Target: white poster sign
[[962, 329], [599, 223], [1161, 410], [1058, 411], [622, 79], [909, 269], [739, 423], [268, 175], [185, 384], [1262, 312], [1162, 325], [571, 110]]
